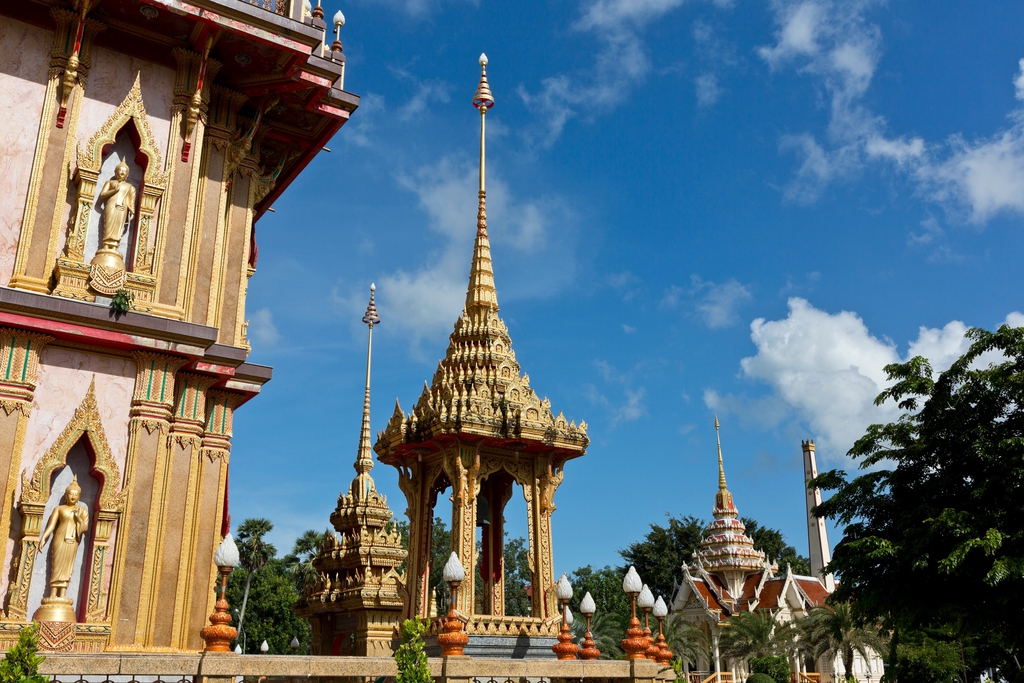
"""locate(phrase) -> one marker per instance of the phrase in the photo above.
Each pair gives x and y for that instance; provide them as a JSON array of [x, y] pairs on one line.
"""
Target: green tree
[[659, 557], [923, 659], [774, 666], [937, 511], [21, 663], [687, 642], [517, 578], [271, 614], [440, 551], [605, 586], [300, 561], [834, 630], [253, 552], [754, 634], [410, 657], [773, 544]]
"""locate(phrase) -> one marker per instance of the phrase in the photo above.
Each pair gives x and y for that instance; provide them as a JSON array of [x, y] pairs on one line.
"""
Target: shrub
[[775, 667], [760, 678], [410, 656], [21, 665]]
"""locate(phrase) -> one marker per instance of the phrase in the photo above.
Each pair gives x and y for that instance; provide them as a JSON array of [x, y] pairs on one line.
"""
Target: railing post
[[295, 10]]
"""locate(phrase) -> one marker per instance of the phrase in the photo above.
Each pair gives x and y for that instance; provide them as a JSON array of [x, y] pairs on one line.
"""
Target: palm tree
[[754, 634], [833, 631], [607, 629], [687, 642], [253, 553], [300, 561]]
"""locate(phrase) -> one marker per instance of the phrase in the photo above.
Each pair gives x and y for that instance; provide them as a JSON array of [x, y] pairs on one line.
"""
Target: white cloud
[[834, 42], [632, 408], [426, 301], [825, 371], [620, 65], [708, 91], [426, 92], [719, 302], [262, 329]]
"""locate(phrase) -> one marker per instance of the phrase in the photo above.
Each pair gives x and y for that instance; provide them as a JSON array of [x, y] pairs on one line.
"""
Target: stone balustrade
[[226, 668]]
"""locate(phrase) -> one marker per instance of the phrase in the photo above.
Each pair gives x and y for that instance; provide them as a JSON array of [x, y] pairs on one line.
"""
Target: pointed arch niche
[[85, 428], [72, 271]]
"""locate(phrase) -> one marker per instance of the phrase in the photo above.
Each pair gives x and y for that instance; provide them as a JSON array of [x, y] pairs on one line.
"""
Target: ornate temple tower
[[479, 428], [142, 140], [354, 605], [817, 534], [726, 550]]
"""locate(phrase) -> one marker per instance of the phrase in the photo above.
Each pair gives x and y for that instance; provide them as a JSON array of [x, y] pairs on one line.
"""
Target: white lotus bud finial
[[264, 647], [563, 591], [227, 554], [483, 59], [567, 615], [660, 609], [339, 19], [646, 598], [587, 605], [453, 571], [373, 287], [632, 583]]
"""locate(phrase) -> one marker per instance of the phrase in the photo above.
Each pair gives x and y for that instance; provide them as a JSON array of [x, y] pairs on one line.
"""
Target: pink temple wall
[[25, 53], [110, 78], [64, 378]]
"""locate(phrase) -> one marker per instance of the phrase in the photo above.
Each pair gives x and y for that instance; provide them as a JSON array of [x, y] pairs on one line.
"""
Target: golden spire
[[481, 294], [721, 468], [363, 483]]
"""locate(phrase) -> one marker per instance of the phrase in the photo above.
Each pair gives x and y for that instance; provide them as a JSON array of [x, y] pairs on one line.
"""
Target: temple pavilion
[[478, 429], [729, 576]]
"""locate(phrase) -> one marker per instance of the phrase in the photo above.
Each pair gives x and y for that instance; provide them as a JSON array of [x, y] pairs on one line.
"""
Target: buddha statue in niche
[[67, 525], [118, 197]]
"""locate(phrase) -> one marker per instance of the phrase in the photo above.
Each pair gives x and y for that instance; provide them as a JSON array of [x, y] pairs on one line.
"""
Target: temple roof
[[478, 389]]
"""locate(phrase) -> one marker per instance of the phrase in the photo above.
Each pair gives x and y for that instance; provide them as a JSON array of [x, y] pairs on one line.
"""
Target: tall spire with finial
[[481, 295], [362, 485], [721, 467]]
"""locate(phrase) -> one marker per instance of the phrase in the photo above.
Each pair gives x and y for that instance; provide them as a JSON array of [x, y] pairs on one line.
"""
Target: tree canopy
[[934, 534]]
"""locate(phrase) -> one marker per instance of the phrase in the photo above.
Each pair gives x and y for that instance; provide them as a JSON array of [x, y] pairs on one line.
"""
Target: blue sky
[[744, 207]]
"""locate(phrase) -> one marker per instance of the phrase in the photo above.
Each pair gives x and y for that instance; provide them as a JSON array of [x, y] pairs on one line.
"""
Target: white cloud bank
[[973, 180], [825, 370]]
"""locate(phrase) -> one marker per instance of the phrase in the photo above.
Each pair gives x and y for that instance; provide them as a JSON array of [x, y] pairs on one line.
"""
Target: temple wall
[[110, 79], [22, 86], [64, 378]]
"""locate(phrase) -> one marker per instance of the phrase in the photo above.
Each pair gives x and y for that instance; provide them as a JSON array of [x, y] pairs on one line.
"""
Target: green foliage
[[122, 301], [776, 667], [687, 641], [762, 678], [253, 553], [661, 553], [517, 578], [300, 560], [440, 550], [925, 660], [937, 511], [410, 656], [21, 663], [270, 613], [773, 544], [605, 586], [754, 634], [835, 630]]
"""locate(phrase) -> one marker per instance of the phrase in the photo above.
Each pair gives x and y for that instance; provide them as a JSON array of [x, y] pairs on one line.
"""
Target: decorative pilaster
[[47, 187], [148, 449]]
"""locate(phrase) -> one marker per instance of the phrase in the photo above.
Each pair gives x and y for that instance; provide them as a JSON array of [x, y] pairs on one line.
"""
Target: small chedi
[[480, 430], [354, 604]]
